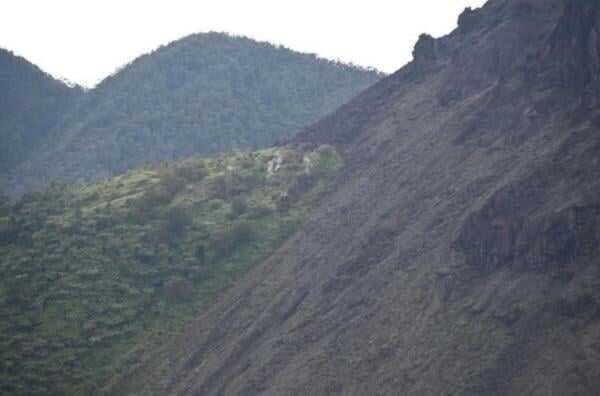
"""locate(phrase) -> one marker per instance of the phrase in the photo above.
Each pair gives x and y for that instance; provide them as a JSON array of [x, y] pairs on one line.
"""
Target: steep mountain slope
[[205, 93], [92, 277], [31, 103], [459, 253]]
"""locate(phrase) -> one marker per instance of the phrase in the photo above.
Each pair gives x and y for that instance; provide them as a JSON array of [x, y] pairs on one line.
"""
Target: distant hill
[[202, 94], [31, 103]]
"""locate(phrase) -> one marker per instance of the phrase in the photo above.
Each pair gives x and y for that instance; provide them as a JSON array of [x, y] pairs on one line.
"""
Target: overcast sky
[[85, 41]]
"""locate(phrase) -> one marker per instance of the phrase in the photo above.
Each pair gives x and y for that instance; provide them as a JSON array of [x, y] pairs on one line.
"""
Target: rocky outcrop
[[425, 51], [506, 233], [469, 20]]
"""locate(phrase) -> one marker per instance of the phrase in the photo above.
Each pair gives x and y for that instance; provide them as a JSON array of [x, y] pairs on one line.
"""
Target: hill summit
[[205, 93]]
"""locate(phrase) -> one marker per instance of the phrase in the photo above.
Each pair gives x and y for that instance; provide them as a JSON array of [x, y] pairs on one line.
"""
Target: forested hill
[[31, 103], [202, 94]]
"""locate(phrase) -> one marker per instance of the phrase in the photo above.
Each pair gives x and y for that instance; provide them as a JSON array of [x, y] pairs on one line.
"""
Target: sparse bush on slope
[[93, 276]]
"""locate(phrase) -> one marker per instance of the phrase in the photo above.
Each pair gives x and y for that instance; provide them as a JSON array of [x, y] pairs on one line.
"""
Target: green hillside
[[31, 104], [205, 93], [94, 276]]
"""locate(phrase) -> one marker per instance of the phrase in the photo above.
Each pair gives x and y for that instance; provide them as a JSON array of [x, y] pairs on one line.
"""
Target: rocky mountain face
[[458, 253], [203, 94], [31, 104]]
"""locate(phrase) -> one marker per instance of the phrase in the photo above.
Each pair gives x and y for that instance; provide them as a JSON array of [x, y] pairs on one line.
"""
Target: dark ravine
[[458, 254]]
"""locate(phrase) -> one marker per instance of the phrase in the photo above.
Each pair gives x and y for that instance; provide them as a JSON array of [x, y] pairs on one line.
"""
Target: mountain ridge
[[32, 103], [202, 94]]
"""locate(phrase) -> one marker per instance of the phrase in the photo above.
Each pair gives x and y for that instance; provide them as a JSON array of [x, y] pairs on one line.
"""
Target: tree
[[174, 225], [238, 207]]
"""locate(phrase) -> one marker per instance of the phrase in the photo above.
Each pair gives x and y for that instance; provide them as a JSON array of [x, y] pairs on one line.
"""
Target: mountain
[[93, 278], [459, 250], [31, 104], [205, 93]]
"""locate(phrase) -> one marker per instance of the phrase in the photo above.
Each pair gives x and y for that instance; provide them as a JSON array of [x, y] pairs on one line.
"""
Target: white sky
[[85, 40]]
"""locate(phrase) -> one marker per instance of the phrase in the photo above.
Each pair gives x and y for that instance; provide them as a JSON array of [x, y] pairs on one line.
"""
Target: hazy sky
[[85, 41]]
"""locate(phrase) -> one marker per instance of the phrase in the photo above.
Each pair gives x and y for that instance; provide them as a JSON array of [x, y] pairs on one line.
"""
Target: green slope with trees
[[93, 277], [205, 93], [31, 104]]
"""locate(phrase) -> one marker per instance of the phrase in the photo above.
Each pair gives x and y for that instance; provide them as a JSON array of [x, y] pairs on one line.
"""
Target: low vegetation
[[95, 275]]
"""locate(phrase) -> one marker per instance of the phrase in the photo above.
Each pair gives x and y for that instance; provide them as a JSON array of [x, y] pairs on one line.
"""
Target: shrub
[[239, 182], [238, 207], [178, 289], [200, 253], [174, 225], [246, 162], [158, 195], [215, 204], [224, 242], [241, 233], [4, 204], [170, 184], [192, 172], [324, 161], [9, 230], [217, 187], [259, 211]]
